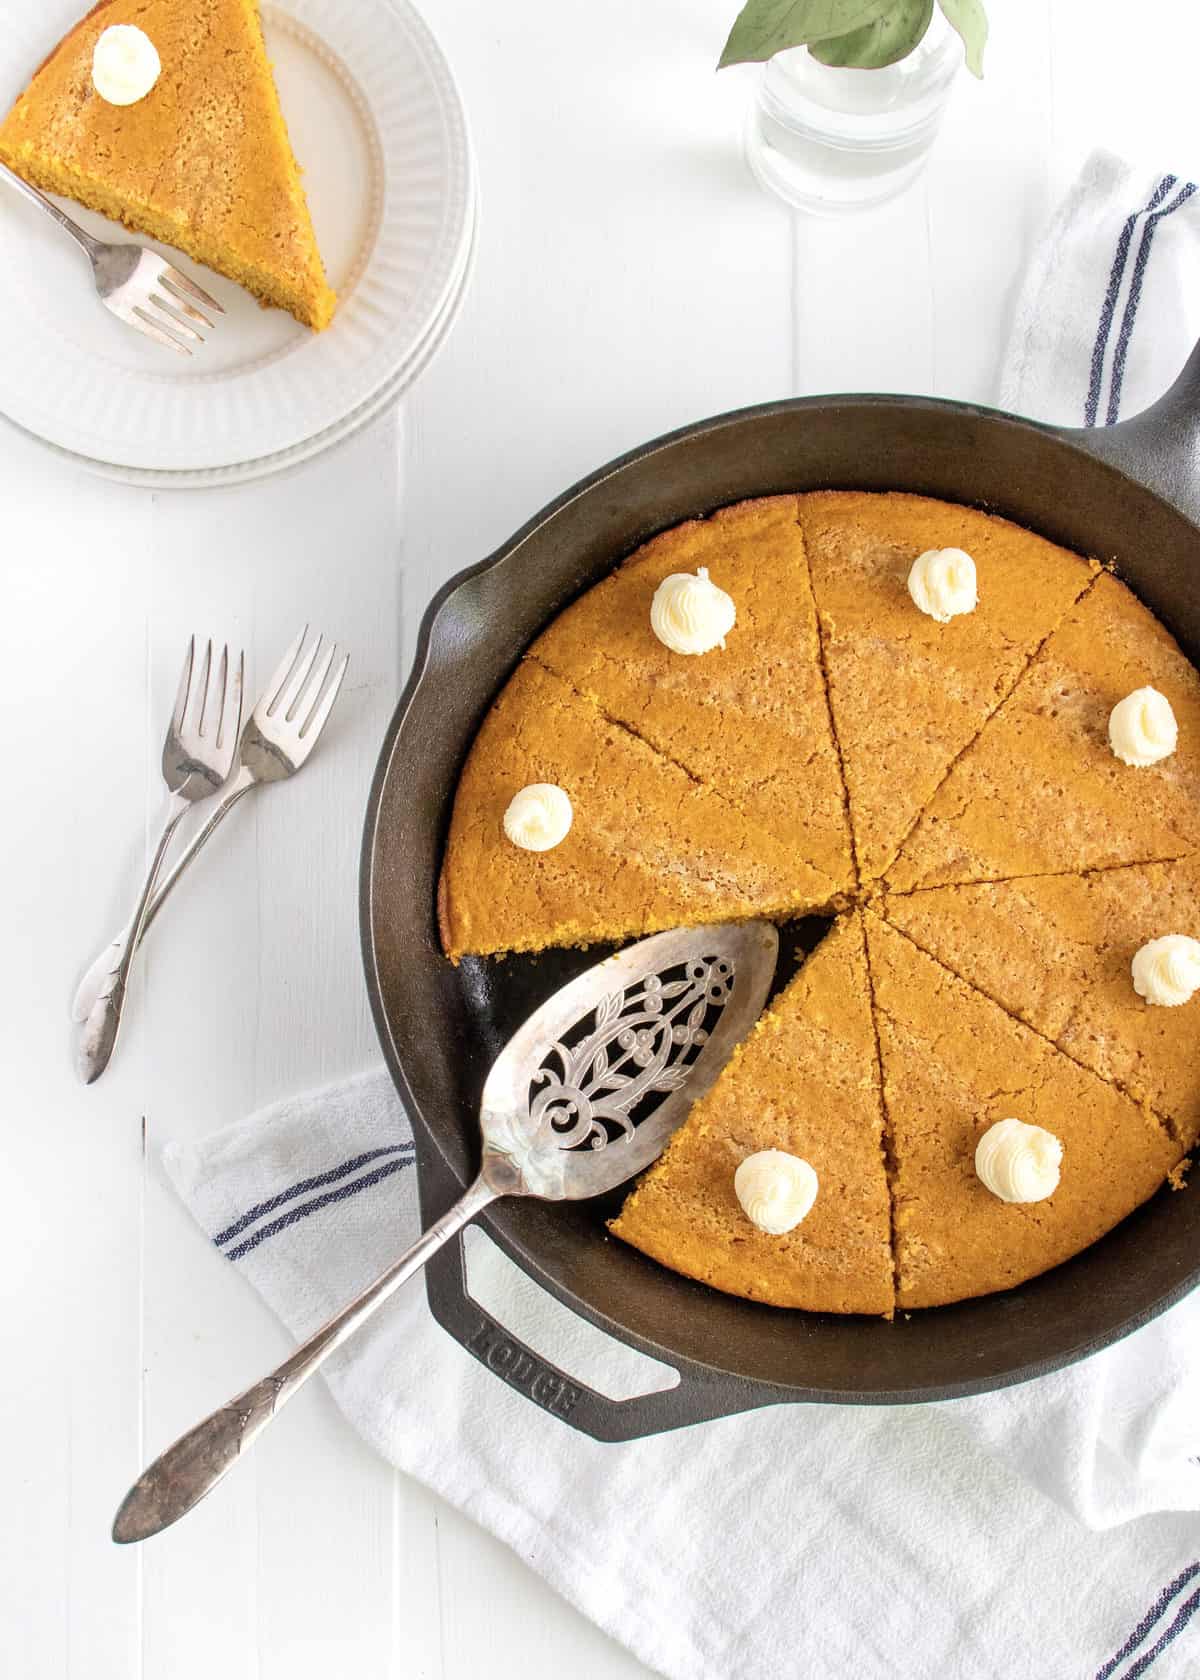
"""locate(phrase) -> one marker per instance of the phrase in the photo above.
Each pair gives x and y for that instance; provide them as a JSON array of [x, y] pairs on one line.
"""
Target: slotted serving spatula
[[584, 1096]]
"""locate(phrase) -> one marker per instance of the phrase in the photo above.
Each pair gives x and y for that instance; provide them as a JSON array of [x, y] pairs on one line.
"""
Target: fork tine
[[178, 301], [287, 701], [137, 317], [175, 316], [217, 694], [231, 711], [191, 288], [185, 682], [311, 692], [279, 676], [201, 700], [319, 716]]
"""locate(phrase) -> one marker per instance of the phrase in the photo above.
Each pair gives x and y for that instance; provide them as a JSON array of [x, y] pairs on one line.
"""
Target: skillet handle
[[700, 1395], [1159, 447]]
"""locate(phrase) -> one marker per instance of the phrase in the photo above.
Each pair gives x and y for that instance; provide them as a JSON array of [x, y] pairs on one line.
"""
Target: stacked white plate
[[378, 126]]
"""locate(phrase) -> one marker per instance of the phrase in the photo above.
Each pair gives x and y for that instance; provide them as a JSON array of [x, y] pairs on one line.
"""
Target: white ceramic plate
[[377, 124], [247, 471]]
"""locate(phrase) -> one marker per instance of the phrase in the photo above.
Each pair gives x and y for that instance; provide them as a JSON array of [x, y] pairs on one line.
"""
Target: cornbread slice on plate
[[954, 1063], [907, 693], [805, 1081], [1041, 791], [648, 848], [750, 719], [203, 162], [1056, 952]]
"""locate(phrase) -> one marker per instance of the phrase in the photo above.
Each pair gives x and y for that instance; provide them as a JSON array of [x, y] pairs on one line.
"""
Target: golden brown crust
[[68, 39], [444, 920]]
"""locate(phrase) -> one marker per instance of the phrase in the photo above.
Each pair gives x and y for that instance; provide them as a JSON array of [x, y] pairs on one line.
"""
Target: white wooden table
[[631, 278]]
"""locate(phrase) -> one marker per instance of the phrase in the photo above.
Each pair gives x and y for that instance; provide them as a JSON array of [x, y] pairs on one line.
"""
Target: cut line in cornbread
[[909, 694], [649, 846], [1056, 952], [954, 1063], [750, 719]]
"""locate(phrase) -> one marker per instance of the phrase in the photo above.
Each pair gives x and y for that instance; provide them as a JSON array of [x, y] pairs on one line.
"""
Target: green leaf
[[887, 40], [764, 27], [970, 19]]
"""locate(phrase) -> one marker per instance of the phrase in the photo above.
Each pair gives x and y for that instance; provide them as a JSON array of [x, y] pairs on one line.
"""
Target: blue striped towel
[[986, 1539], [1110, 308]]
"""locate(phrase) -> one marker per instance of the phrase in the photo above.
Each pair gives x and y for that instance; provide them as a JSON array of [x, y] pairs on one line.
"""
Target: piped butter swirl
[[125, 64], [943, 583], [1142, 729], [1167, 971], [1018, 1162], [689, 614], [539, 817], [776, 1190]]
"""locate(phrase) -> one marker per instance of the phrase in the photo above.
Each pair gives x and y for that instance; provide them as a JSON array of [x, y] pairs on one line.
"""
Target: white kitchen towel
[[1110, 307], [984, 1539], [881, 1543]]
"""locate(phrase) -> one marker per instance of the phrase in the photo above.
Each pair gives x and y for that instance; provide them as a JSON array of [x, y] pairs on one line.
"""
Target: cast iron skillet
[[1128, 494]]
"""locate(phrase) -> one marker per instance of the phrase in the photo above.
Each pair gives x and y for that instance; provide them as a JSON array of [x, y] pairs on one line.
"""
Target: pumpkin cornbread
[[750, 719], [1055, 951], [953, 1064], [649, 847], [805, 1081], [907, 693], [718, 785], [1040, 792], [202, 162]]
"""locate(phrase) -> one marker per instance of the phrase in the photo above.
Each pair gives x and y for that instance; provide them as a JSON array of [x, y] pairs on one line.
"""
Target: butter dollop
[[1142, 728], [538, 817], [943, 584], [1167, 970], [776, 1190], [690, 614], [125, 64], [1018, 1162]]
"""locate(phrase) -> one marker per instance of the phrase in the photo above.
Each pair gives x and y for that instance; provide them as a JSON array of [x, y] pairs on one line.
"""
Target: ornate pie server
[[584, 1096]]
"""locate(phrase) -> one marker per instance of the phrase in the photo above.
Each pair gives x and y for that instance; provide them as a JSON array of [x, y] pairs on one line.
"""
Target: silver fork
[[134, 282], [197, 756], [279, 735]]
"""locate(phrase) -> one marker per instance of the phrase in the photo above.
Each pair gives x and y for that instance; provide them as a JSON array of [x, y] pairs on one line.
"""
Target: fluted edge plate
[[378, 126]]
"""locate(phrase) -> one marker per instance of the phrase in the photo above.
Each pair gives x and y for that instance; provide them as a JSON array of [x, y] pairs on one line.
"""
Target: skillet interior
[[441, 1027]]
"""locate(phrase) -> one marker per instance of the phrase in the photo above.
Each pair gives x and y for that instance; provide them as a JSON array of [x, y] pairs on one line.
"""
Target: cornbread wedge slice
[[648, 848], [954, 1063], [805, 1081], [202, 163]]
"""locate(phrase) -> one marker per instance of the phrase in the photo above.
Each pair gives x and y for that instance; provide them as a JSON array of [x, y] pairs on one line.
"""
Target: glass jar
[[834, 141]]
